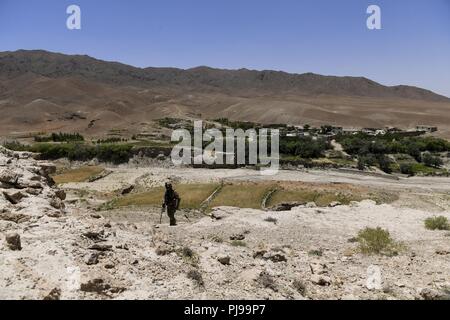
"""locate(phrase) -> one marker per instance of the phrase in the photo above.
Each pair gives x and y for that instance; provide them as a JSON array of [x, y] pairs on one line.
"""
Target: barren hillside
[[43, 91]]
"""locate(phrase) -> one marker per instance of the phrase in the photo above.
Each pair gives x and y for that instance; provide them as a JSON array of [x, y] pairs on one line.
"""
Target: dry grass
[[437, 223], [245, 195], [81, 174], [192, 195], [325, 194], [378, 241]]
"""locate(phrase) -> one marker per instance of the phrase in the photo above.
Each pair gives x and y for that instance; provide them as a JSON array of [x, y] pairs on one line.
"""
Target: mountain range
[[42, 91]]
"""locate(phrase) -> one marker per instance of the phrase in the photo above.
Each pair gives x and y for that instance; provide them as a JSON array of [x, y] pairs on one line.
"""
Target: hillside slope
[[43, 91]]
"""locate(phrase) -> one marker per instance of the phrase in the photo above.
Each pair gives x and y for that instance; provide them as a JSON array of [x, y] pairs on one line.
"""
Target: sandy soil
[[306, 253]]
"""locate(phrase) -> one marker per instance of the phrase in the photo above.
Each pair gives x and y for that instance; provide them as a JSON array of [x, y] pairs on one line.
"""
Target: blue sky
[[322, 36]]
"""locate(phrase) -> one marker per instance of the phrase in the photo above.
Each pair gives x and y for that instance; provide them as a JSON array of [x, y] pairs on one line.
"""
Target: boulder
[[13, 241], [54, 295], [127, 190], [91, 259], [14, 196], [99, 286], [14, 217], [274, 257], [224, 259], [61, 194]]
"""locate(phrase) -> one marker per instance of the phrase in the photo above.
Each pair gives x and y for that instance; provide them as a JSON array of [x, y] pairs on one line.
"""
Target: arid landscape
[[85, 240], [48, 92], [359, 210]]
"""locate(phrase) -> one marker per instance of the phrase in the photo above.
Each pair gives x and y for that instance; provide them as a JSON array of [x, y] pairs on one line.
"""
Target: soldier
[[172, 203]]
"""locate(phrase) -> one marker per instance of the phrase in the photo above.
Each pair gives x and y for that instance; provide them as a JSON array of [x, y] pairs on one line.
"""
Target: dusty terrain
[[76, 252]]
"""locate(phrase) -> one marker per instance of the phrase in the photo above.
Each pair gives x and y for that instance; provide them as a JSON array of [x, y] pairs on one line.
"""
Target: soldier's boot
[[173, 221]]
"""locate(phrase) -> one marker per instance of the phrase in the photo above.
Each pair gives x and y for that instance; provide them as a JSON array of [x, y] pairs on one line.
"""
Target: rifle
[[162, 211]]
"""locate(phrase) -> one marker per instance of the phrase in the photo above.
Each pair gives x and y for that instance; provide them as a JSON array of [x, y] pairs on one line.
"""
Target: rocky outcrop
[[27, 190]]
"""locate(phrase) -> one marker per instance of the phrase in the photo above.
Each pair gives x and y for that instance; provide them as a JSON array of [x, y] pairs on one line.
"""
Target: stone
[[288, 206], [334, 204], [14, 196], [13, 241], [321, 280], [61, 194], [96, 286], [259, 254], [14, 217], [311, 205], [224, 259], [275, 257], [237, 237], [163, 250], [33, 191], [431, 294], [127, 190], [94, 236], [101, 247], [318, 268], [91, 259], [54, 295], [57, 203]]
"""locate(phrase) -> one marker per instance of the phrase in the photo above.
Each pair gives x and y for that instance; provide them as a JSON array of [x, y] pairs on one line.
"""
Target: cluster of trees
[[237, 124], [363, 144], [373, 150], [111, 140], [304, 147], [114, 153], [370, 160], [60, 137]]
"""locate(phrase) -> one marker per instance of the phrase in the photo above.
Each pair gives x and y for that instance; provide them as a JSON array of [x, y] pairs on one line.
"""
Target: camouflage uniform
[[171, 203]]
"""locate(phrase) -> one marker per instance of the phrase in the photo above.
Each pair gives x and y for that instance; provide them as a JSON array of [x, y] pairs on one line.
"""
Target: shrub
[[437, 223], [407, 168], [116, 154], [385, 164], [15, 146], [189, 256], [366, 161], [300, 286], [60, 137], [305, 147], [271, 220], [196, 276], [377, 241], [432, 161], [267, 281], [238, 243], [317, 253]]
